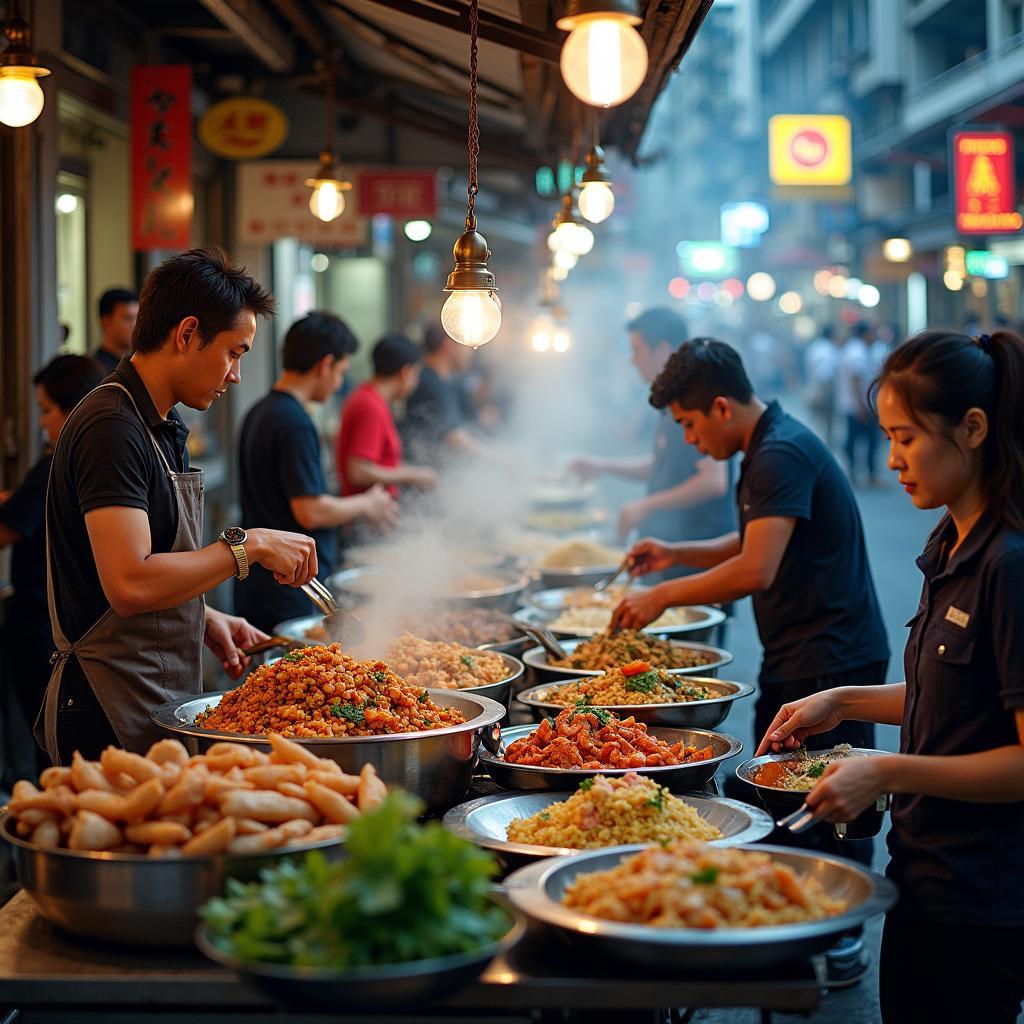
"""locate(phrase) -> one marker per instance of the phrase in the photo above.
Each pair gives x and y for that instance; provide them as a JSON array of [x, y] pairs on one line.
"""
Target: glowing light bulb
[[565, 260], [327, 201], [596, 201], [604, 60], [21, 98], [471, 316], [561, 340], [574, 238]]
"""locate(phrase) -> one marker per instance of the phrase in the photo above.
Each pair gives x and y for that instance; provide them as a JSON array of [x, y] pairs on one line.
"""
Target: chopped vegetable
[[706, 876], [350, 712], [468, 662], [582, 708], [658, 800], [648, 682], [585, 784], [635, 668]]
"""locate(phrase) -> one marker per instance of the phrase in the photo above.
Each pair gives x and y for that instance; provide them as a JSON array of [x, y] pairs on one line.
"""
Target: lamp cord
[[329, 134], [473, 141]]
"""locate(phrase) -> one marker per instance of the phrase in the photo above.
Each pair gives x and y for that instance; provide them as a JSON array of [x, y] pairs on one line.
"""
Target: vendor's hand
[[585, 467], [379, 507], [794, 722], [631, 515], [638, 609], [227, 636], [649, 555], [848, 787], [291, 557]]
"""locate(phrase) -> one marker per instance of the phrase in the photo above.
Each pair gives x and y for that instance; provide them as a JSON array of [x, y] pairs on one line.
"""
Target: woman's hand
[[226, 636], [849, 786], [802, 718]]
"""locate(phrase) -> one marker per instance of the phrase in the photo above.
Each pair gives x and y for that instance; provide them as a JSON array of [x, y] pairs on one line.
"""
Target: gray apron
[[133, 664]]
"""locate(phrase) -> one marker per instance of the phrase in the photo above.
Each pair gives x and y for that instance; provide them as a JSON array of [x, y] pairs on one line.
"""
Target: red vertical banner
[[986, 194], [161, 140]]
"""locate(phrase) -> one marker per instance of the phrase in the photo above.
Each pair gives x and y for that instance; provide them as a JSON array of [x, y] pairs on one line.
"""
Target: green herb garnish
[[403, 892], [380, 677], [544, 816], [646, 682], [350, 712], [585, 784], [468, 662], [423, 697], [706, 876], [583, 708], [664, 841], [658, 800], [296, 655], [816, 770]]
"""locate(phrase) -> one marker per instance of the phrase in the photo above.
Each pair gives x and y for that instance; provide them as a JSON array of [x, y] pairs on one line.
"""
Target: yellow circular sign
[[242, 128]]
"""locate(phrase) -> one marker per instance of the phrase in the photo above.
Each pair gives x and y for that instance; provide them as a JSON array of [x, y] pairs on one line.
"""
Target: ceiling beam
[[252, 23]]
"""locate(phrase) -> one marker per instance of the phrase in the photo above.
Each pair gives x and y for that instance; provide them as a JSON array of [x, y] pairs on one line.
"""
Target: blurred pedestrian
[[821, 362], [854, 377], [281, 472], [27, 640], [118, 309]]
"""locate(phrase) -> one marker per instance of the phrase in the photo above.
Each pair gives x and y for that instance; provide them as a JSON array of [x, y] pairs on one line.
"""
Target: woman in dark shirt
[[952, 408], [26, 640]]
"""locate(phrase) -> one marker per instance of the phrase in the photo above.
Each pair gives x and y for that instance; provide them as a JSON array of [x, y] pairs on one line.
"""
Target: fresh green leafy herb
[[583, 708], [380, 677], [706, 876], [645, 682], [544, 816], [350, 712], [468, 662], [294, 656], [428, 721], [423, 697], [585, 784], [664, 841], [403, 892], [658, 800], [816, 770]]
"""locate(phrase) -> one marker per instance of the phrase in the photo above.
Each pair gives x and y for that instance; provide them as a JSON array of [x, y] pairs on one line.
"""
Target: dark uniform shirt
[[279, 459], [821, 615], [105, 458], [432, 412], [108, 363], [956, 861], [25, 512]]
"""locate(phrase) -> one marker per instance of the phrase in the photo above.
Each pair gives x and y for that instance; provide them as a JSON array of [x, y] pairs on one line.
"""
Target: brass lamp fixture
[[596, 200], [21, 98], [604, 60], [471, 315], [327, 200], [568, 233]]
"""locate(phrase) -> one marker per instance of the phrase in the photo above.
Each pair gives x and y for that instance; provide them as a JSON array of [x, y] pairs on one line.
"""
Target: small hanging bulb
[[21, 98], [569, 235]]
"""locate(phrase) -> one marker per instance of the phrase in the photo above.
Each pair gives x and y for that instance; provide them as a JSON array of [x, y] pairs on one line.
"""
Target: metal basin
[[677, 777], [485, 822], [357, 585], [537, 890], [143, 901], [436, 766], [578, 576], [780, 802], [389, 986], [694, 714], [542, 611], [536, 658]]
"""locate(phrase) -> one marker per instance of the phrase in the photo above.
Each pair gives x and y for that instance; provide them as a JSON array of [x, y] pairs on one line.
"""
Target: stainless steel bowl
[[701, 620], [536, 658], [577, 576], [780, 802], [143, 901], [355, 585], [389, 986], [538, 889], [485, 822], [436, 766], [694, 714], [677, 777]]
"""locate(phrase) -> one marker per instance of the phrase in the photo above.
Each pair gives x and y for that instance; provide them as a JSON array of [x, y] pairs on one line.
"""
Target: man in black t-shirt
[[118, 309], [281, 466]]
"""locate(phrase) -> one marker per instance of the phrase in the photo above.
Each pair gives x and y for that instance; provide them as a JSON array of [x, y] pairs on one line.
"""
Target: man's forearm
[[170, 579], [729, 581], [323, 511], [636, 468], [706, 554], [699, 488]]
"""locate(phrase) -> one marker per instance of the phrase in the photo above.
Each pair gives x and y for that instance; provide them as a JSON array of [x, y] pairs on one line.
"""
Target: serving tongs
[[340, 626], [799, 821], [547, 640], [606, 581]]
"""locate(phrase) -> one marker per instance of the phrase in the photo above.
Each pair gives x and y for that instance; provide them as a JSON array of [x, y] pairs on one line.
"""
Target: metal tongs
[[606, 581], [341, 626], [799, 821]]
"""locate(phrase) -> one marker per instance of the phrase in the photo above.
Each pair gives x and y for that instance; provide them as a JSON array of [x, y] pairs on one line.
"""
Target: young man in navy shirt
[[281, 466]]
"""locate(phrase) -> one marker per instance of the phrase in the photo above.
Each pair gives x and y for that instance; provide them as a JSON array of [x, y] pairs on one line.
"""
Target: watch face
[[234, 535]]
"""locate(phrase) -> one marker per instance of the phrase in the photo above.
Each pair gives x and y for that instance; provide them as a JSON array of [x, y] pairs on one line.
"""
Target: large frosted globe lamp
[[604, 60], [471, 317]]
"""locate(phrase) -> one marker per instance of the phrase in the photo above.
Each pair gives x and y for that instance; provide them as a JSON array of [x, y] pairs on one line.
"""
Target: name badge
[[957, 617]]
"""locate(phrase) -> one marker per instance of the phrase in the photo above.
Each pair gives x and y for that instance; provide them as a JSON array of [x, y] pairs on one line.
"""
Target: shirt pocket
[[946, 673]]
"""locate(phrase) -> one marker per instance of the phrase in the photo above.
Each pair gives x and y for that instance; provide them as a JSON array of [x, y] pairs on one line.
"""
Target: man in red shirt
[[369, 450]]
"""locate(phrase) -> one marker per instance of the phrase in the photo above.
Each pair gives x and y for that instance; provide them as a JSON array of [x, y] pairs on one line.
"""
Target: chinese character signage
[[273, 203], [243, 128], [404, 195], [161, 137], [809, 149], [986, 201]]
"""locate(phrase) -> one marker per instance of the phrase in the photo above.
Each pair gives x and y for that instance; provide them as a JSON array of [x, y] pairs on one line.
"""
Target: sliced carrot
[[636, 668]]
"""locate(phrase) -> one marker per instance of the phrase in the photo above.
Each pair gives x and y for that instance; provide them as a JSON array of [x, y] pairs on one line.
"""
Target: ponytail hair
[[942, 374]]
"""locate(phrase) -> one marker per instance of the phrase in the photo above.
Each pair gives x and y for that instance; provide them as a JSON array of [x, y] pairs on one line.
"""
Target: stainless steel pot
[[537, 660], [694, 714], [677, 777], [537, 890], [436, 766], [356, 586], [701, 619], [139, 900], [485, 822]]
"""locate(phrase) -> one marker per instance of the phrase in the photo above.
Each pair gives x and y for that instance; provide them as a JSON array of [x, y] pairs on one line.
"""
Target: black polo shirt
[[104, 457], [821, 615], [279, 458], [956, 861], [25, 512], [432, 412]]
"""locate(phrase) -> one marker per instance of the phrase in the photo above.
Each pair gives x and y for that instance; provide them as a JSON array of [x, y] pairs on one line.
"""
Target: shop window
[[72, 285]]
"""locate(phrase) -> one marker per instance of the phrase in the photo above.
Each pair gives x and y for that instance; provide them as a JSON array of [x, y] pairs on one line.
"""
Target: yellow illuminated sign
[[242, 128], [809, 149]]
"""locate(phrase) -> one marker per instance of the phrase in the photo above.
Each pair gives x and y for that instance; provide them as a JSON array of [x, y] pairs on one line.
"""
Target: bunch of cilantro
[[403, 892]]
